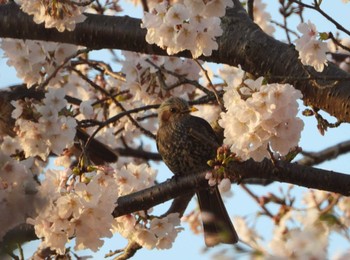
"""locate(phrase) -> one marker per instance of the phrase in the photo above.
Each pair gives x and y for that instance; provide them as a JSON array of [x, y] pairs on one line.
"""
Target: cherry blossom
[[191, 25], [73, 203], [55, 14], [262, 18], [264, 119], [143, 78], [84, 211], [311, 50], [53, 131], [17, 192], [35, 60]]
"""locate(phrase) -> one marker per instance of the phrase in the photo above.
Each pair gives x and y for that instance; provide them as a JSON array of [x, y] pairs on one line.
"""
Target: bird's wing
[[201, 130]]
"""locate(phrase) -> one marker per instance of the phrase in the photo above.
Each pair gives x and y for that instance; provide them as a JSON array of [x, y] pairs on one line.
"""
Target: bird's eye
[[173, 110]]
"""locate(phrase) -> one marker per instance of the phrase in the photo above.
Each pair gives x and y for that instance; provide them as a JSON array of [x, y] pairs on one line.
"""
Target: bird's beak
[[193, 109], [189, 110]]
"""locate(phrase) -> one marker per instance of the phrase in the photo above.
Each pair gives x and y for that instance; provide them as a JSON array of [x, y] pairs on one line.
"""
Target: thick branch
[[97, 31], [139, 153], [243, 43], [283, 172]]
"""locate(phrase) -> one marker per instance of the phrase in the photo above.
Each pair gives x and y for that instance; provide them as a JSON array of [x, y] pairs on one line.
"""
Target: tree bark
[[282, 172], [292, 173], [242, 43]]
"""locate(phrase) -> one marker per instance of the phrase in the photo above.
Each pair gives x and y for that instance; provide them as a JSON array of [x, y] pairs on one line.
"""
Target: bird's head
[[173, 109]]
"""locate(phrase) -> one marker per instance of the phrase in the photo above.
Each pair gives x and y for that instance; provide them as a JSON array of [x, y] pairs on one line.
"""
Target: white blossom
[[15, 181], [9, 145], [246, 234], [55, 98], [53, 132], [133, 177], [225, 185], [342, 255], [85, 211], [177, 14], [35, 60], [311, 50], [262, 18], [142, 78], [145, 238], [191, 25], [266, 119], [55, 14], [86, 108]]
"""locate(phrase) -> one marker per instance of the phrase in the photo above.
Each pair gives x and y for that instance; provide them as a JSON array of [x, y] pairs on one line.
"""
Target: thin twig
[[182, 79], [317, 8], [250, 5], [335, 40], [117, 103], [285, 28], [211, 85], [92, 122], [267, 212], [145, 5], [103, 67], [86, 3], [332, 152], [65, 61]]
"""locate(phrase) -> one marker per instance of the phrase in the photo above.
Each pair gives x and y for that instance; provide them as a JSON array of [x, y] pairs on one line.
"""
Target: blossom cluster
[[74, 208], [150, 80], [17, 190], [261, 119], [311, 50], [186, 25], [33, 60], [344, 206], [62, 15], [132, 177], [308, 239], [157, 233], [52, 132], [82, 207], [262, 18], [299, 234]]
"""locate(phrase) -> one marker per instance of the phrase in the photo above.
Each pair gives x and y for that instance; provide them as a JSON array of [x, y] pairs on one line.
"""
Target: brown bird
[[186, 143]]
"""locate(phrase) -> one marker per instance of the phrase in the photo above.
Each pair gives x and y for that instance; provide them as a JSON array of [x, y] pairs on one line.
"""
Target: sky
[[189, 246]]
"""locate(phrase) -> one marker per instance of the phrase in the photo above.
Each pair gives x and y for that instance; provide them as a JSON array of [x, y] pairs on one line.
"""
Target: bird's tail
[[217, 224]]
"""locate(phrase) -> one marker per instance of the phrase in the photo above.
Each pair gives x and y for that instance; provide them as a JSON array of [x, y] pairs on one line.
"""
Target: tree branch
[[282, 172], [97, 31], [313, 158], [185, 185], [20, 234], [242, 43], [138, 153]]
